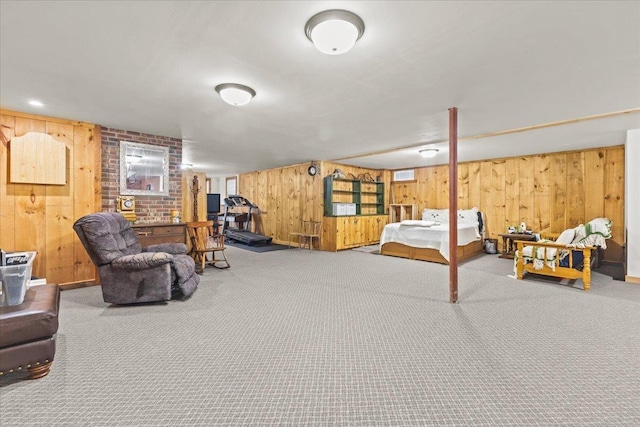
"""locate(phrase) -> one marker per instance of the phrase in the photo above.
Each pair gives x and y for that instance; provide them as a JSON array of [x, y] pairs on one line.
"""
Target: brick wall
[[148, 208]]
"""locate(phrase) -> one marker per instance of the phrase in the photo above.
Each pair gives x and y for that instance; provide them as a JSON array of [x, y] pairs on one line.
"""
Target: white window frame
[[404, 175]]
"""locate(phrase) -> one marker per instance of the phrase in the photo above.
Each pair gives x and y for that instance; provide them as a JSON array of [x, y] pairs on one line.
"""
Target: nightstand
[[507, 242]]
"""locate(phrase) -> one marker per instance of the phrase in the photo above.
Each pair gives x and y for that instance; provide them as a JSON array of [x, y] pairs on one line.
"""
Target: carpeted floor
[[615, 271], [371, 249], [315, 338]]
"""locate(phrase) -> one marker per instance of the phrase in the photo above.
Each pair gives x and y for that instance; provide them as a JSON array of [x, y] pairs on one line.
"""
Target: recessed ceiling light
[[429, 152], [334, 31], [36, 103], [235, 94]]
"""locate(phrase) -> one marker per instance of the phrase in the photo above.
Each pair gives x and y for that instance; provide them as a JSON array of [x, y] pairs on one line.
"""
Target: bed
[[570, 256], [428, 239]]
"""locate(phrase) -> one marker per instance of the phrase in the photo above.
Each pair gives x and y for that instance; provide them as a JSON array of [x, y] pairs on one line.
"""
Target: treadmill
[[241, 233]]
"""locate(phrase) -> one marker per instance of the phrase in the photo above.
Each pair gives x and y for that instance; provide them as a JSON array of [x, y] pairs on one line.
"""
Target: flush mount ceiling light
[[235, 94], [334, 31], [429, 153], [186, 166], [36, 103]]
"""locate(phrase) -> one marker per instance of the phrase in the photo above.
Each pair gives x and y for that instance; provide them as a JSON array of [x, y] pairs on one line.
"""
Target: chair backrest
[[107, 236], [202, 236], [311, 227]]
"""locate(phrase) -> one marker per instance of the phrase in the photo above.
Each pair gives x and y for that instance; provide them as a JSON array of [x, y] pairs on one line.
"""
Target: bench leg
[[586, 277], [586, 272]]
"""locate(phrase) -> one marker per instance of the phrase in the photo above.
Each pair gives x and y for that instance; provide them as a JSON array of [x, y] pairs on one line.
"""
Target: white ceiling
[[152, 66]]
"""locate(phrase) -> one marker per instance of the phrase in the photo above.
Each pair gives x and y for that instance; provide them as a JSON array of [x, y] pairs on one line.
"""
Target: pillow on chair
[[566, 236]]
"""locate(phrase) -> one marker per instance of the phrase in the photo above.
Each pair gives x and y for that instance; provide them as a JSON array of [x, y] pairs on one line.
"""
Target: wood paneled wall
[[288, 195], [40, 217], [550, 193]]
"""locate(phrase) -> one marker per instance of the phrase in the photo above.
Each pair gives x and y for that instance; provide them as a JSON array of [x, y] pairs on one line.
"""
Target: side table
[[507, 242]]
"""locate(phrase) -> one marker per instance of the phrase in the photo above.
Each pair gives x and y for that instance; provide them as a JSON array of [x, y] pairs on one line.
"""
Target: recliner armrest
[[170, 248], [142, 260]]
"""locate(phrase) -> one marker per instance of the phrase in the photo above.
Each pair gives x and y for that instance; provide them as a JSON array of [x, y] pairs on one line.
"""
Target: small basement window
[[404, 175]]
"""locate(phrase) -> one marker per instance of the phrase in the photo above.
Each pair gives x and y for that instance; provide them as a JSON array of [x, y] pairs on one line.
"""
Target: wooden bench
[[557, 271]]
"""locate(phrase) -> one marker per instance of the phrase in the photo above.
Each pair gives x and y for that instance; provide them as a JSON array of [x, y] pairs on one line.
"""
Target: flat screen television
[[213, 203]]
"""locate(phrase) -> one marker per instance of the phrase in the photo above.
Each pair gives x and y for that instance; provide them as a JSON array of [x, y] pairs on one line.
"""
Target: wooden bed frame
[[562, 272], [425, 254]]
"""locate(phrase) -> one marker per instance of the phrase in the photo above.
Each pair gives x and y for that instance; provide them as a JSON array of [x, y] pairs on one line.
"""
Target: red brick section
[[148, 208]]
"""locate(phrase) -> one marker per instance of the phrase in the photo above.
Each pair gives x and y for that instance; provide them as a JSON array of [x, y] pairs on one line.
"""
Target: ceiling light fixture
[[334, 31], [429, 152], [36, 103], [235, 94], [186, 166]]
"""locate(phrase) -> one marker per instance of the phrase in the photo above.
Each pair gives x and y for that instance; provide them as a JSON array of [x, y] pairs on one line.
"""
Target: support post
[[453, 205]]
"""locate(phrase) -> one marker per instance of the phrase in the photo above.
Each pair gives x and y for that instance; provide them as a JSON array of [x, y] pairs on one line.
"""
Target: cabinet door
[[329, 233], [373, 228], [349, 232]]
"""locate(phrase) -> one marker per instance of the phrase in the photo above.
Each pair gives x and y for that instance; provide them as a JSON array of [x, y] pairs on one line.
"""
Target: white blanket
[[419, 223], [539, 259], [428, 236], [594, 233]]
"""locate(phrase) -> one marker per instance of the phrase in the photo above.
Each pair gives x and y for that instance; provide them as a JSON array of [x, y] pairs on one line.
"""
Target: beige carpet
[[300, 338]]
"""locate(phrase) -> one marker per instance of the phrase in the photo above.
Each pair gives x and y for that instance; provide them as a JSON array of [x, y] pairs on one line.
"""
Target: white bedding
[[421, 234]]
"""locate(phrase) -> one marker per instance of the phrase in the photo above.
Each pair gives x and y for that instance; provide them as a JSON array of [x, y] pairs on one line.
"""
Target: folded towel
[[419, 223]]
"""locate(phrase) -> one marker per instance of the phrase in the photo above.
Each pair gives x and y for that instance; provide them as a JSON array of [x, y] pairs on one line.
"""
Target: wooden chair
[[204, 240], [308, 231]]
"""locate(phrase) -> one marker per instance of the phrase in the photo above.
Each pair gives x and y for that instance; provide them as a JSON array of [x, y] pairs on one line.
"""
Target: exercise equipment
[[241, 233]]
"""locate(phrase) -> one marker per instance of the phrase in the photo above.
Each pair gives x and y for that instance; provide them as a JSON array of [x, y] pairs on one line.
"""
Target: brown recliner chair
[[130, 273]]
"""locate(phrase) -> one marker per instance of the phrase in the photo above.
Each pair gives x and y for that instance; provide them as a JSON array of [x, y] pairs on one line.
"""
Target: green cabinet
[[341, 196]]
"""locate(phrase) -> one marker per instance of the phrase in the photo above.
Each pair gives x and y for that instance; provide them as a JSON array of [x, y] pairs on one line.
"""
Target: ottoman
[[27, 332]]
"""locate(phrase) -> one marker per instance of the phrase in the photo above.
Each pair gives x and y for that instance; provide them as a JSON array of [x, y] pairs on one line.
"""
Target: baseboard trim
[[632, 279], [77, 285]]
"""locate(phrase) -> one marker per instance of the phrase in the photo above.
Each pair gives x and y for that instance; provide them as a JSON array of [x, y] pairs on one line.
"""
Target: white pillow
[[437, 215], [468, 216], [566, 236]]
